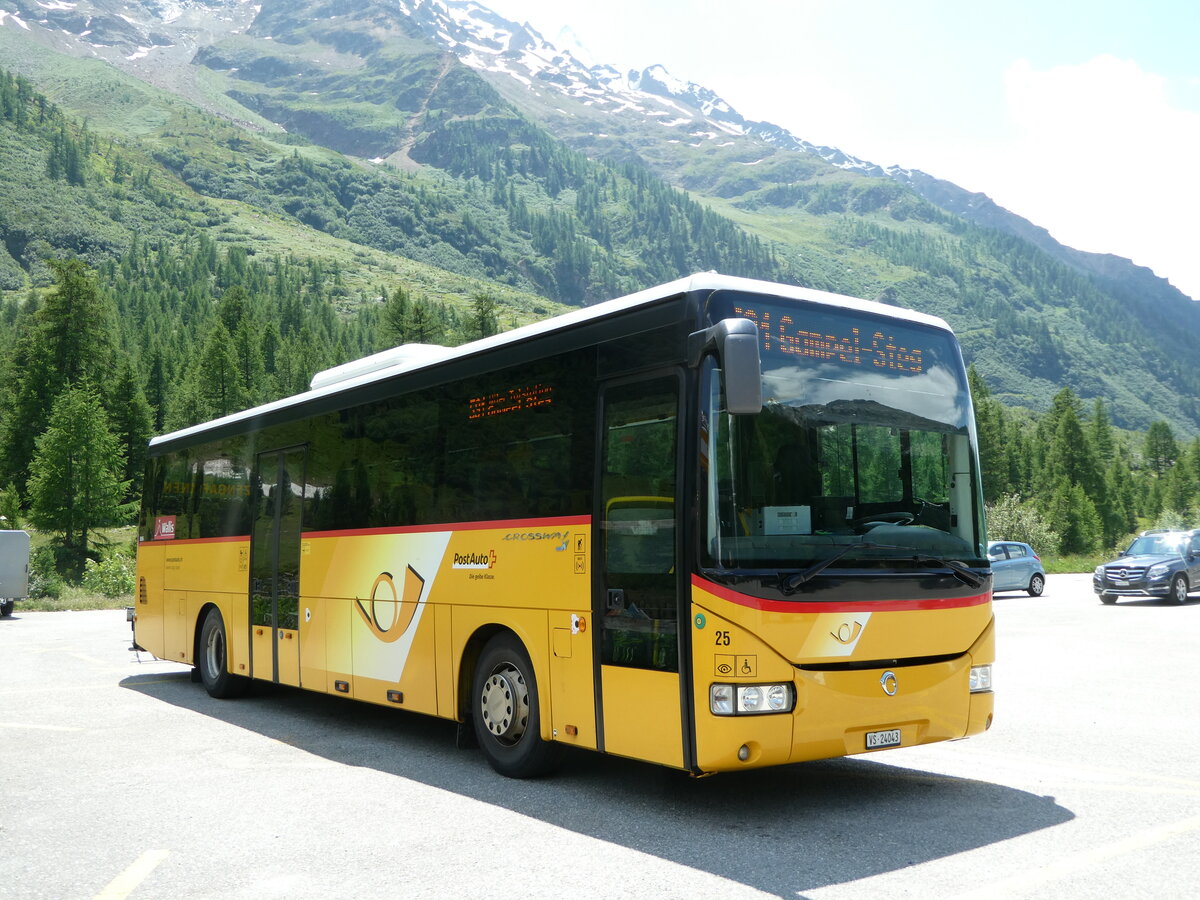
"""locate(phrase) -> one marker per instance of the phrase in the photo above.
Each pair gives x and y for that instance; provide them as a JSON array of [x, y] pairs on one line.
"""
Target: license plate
[[878, 739], [1119, 582]]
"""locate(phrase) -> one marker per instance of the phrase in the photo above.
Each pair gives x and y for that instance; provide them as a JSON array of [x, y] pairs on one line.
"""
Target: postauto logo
[[484, 560]]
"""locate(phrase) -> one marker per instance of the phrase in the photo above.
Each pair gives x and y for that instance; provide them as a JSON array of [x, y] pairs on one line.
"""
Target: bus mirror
[[736, 343]]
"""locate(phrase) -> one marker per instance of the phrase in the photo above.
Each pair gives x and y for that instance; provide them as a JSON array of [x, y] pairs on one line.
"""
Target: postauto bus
[[717, 524]]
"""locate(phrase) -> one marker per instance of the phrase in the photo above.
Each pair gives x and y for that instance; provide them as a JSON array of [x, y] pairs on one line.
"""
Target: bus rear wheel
[[504, 707], [213, 660]]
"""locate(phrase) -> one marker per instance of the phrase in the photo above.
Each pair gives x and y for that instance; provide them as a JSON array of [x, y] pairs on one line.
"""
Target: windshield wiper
[[957, 567], [791, 583]]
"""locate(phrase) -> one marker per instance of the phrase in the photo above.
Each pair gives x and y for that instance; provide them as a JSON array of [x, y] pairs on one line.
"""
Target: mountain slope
[[443, 134]]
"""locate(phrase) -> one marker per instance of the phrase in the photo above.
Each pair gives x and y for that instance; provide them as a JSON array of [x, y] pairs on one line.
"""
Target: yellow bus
[[715, 525]]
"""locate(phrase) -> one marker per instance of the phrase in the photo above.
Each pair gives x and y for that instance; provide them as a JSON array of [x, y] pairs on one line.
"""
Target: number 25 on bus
[[717, 524]]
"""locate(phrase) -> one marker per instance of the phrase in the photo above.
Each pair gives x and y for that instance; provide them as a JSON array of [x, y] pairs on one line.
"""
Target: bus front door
[[275, 566], [638, 573]]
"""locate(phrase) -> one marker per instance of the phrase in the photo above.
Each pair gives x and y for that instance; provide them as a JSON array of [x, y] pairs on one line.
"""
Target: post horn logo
[[388, 613], [847, 632], [888, 682]]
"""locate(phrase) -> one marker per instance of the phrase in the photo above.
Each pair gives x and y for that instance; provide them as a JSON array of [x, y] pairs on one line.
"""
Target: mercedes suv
[[1157, 564]]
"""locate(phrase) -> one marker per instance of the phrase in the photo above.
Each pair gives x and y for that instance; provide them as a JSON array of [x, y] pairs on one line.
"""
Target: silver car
[[1016, 567]]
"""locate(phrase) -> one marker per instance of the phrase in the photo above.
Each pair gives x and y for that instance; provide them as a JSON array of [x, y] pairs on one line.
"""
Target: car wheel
[[6, 608], [1179, 589], [213, 661], [1108, 598], [504, 707], [1037, 584]]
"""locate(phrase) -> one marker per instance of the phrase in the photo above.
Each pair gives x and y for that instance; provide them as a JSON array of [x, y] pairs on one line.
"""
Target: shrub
[[49, 586], [1011, 520], [44, 579], [111, 577]]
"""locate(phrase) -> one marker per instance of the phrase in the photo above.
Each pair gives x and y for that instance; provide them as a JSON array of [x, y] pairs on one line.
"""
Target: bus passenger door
[[636, 596], [275, 566]]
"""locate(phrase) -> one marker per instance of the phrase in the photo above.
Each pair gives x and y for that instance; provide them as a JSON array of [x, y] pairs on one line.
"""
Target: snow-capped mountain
[[156, 38], [166, 43], [130, 33], [490, 43]]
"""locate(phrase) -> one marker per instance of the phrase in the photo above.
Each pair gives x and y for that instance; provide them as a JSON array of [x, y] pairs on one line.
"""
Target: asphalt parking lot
[[121, 777]]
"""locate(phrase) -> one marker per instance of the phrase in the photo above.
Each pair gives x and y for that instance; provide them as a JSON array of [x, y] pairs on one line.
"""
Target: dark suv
[[1157, 564]]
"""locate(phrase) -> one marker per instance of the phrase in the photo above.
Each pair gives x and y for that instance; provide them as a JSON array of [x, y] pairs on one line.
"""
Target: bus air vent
[[404, 356]]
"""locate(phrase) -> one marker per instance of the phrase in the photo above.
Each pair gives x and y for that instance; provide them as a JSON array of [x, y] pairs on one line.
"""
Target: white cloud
[[1100, 157]]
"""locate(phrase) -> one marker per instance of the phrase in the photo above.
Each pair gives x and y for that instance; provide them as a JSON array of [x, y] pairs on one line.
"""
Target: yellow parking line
[[127, 882], [1084, 860]]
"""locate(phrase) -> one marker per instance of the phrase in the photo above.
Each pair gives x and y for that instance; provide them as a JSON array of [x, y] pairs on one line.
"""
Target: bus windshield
[[863, 455]]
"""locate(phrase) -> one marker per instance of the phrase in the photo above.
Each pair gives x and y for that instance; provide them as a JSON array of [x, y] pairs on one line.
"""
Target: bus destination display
[[513, 400], [848, 345]]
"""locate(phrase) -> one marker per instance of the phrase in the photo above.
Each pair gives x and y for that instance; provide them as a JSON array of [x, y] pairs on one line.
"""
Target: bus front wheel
[[213, 659], [504, 708]]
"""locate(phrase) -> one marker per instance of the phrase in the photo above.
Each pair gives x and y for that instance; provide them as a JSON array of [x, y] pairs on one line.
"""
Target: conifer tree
[[234, 306], [76, 325], [423, 325], [1160, 447], [252, 369], [70, 340], [1071, 513], [1180, 486], [156, 390], [483, 322], [215, 385], [395, 318], [74, 479], [1100, 432], [1119, 513], [993, 451], [132, 423]]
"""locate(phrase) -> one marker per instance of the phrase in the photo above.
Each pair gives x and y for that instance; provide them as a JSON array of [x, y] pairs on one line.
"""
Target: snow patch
[[15, 18]]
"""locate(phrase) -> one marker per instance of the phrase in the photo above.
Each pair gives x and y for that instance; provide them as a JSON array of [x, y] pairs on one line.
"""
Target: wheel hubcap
[[504, 703], [214, 653]]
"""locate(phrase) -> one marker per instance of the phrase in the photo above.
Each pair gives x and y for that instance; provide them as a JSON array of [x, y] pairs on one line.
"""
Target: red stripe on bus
[[836, 606], [455, 526]]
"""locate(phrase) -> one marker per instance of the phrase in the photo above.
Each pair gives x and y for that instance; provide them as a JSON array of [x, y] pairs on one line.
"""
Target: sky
[[1083, 117]]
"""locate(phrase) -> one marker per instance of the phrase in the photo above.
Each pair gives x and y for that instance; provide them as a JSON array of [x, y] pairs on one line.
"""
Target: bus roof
[[413, 357]]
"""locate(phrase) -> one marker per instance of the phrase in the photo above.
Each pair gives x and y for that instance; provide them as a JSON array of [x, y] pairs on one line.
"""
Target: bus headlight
[[981, 678], [750, 699]]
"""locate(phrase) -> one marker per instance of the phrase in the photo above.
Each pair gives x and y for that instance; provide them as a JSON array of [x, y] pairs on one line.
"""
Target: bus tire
[[504, 708], [6, 608], [213, 659]]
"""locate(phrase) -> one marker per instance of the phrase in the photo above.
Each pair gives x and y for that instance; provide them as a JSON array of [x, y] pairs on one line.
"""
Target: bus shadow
[[784, 830]]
